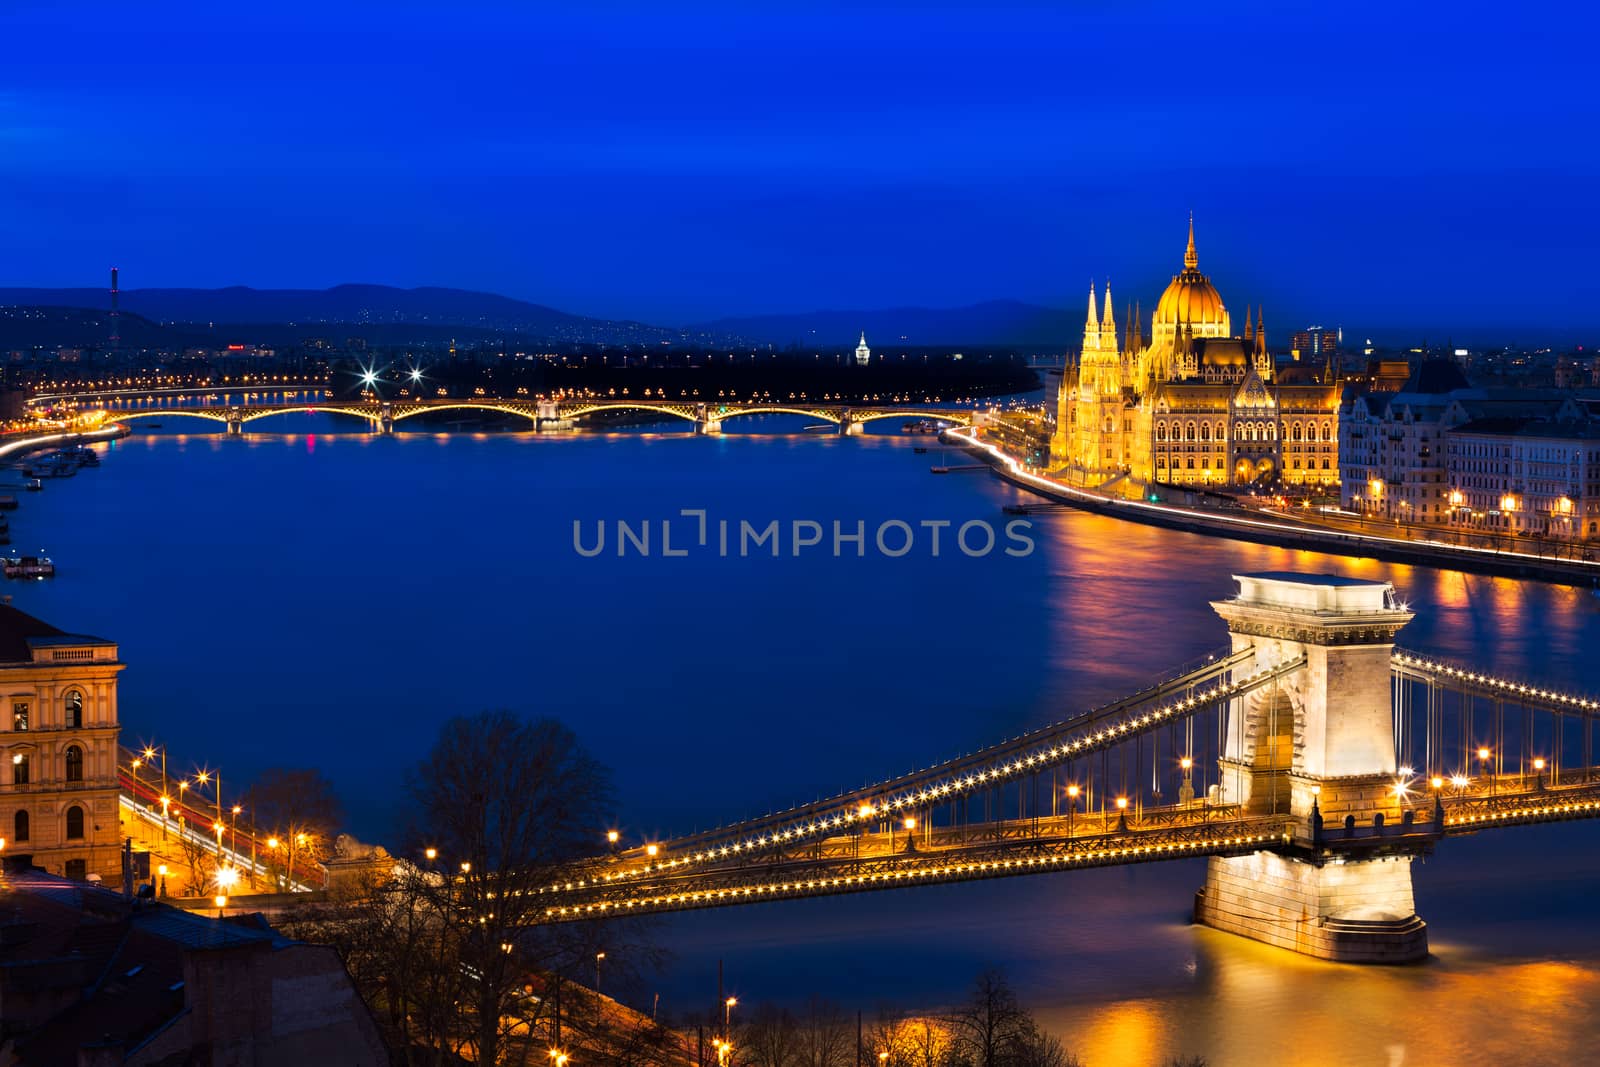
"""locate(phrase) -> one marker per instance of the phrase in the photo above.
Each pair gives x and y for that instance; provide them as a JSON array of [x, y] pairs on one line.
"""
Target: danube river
[[327, 599]]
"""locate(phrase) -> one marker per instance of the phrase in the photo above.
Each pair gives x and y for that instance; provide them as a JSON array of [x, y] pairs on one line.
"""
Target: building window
[[19, 715], [74, 705], [74, 763], [19, 769], [74, 823], [19, 826]]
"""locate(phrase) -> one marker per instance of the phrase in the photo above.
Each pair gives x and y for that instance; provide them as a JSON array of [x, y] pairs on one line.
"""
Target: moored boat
[[29, 567]]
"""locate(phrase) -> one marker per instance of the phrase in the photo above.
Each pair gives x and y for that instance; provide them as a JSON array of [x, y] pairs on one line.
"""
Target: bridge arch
[[770, 409], [309, 409], [959, 418], [528, 412], [682, 411], [209, 414]]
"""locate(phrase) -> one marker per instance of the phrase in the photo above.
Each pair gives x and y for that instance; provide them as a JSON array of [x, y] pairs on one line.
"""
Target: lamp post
[[1072, 806], [1483, 769], [1538, 774], [149, 755]]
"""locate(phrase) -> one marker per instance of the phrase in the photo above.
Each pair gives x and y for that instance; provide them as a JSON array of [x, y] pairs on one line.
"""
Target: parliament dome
[[1191, 297]]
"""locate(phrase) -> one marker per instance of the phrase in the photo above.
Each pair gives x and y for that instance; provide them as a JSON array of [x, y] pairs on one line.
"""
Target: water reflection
[[308, 597]]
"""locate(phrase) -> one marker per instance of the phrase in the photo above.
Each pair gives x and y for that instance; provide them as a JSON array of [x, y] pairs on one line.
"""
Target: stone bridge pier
[[235, 421], [848, 426], [386, 419], [548, 418], [705, 422], [1317, 744]]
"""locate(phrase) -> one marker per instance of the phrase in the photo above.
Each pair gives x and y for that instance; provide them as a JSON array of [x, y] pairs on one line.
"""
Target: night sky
[[1375, 166]]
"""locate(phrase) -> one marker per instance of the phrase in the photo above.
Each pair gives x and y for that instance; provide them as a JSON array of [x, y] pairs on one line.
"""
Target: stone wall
[[1360, 912]]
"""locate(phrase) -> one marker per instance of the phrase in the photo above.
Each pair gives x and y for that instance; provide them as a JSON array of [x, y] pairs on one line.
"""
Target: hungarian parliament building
[[1196, 404]]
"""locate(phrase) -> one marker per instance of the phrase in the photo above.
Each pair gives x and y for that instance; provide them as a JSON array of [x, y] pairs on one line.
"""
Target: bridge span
[[236, 409], [1310, 760]]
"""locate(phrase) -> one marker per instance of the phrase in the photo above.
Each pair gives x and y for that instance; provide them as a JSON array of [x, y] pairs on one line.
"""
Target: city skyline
[[678, 170]]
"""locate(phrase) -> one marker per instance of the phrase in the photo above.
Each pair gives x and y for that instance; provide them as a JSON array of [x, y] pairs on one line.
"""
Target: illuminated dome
[[1192, 299]]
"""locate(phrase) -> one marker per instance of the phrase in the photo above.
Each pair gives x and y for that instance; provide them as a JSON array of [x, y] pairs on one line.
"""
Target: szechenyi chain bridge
[[1310, 760]]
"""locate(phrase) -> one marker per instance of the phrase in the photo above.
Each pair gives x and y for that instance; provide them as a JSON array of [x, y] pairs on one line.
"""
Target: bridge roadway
[[237, 408], [1008, 848], [853, 842], [1169, 702]]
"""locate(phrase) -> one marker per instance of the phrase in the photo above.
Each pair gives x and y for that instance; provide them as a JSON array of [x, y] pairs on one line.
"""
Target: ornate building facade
[[58, 748], [1196, 405]]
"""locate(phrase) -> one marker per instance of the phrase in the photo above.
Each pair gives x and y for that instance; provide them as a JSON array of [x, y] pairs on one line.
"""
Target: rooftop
[[125, 959], [20, 633], [1327, 580]]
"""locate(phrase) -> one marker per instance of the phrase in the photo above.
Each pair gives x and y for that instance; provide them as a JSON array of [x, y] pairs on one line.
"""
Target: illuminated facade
[[58, 748], [1196, 405], [863, 353]]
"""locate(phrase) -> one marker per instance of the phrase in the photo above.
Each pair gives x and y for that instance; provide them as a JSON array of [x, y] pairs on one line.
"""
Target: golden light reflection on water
[[1249, 1004]]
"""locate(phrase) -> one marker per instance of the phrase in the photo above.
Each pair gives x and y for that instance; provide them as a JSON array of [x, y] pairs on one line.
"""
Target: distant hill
[[368, 305], [75, 327], [996, 322]]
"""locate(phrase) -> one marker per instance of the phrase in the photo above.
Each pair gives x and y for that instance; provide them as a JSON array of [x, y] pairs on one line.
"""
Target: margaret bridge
[[236, 409]]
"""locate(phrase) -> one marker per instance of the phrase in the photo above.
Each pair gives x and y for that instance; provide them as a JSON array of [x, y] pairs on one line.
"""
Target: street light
[[1483, 769], [1072, 806]]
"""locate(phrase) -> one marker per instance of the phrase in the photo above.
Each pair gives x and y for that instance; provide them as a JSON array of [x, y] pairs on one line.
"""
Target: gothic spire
[[1190, 260], [1249, 327], [1108, 323], [1092, 323]]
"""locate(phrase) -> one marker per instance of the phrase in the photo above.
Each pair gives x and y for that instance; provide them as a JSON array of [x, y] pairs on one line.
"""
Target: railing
[[825, 875]]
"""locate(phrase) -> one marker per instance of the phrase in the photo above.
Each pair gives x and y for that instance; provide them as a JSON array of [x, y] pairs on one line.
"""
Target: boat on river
[[29, 567]]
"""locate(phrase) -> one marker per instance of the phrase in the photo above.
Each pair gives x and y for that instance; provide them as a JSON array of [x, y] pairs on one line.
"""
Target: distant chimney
[[116, 333]]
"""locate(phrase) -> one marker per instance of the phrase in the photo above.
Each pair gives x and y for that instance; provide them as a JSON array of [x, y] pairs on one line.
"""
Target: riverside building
[[58, 748]]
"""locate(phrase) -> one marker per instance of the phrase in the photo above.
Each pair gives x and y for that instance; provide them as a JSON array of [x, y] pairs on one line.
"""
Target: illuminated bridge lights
[[855, 811], [957, 870], [1436, 667]]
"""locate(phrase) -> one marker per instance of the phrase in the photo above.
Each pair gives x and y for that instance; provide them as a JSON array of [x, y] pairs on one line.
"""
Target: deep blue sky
[[1378, 166]]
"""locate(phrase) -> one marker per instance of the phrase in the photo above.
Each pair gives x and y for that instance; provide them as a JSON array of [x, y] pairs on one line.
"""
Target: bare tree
[[771, 1038], [928, 1042], [991, 1027], [404, 958], [506, 803], [299, 809], [201, 861], [826, 1036], [1039, 1049]]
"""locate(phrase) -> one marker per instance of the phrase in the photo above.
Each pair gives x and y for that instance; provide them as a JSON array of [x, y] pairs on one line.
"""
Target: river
[[327, 598]]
